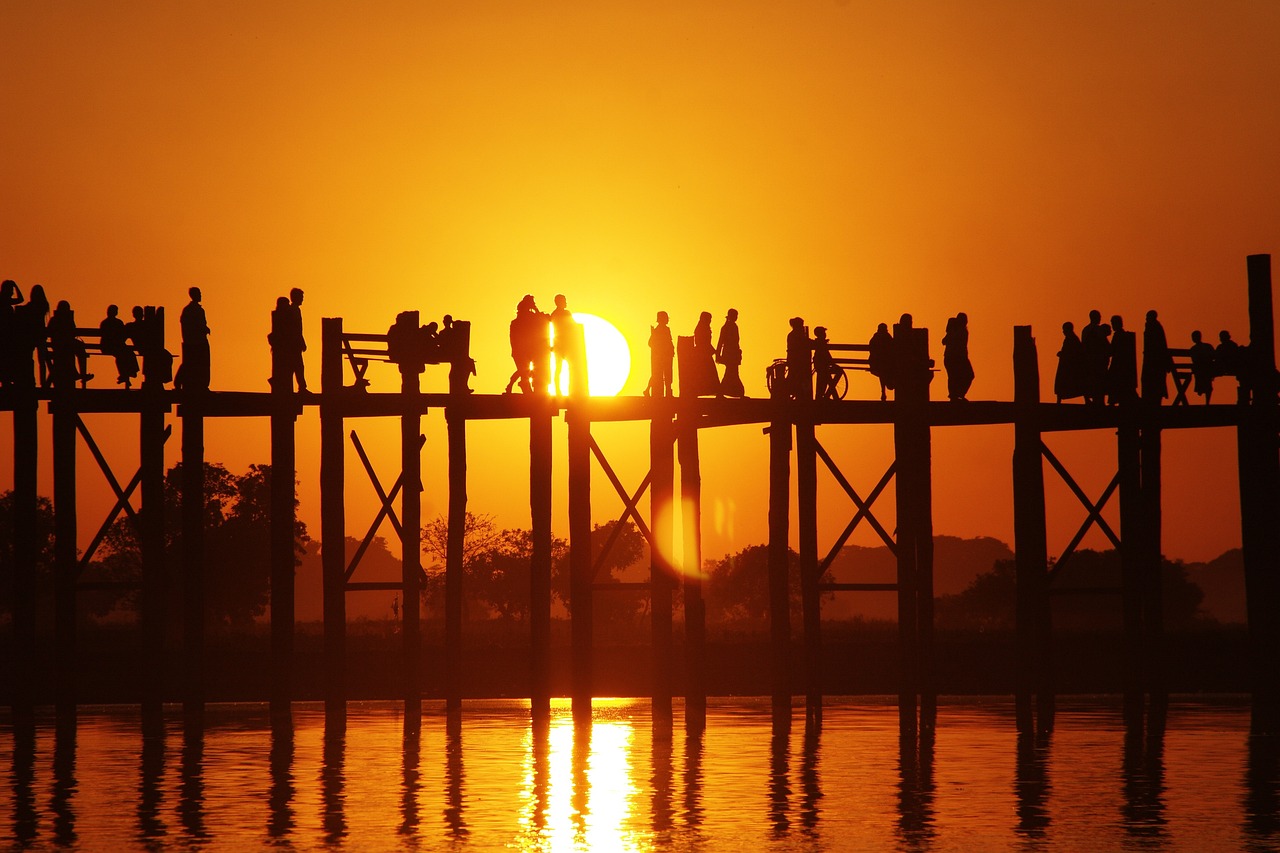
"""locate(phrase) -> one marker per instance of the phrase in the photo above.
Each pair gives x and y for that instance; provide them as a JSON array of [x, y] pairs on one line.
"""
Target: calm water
[[614, 786]]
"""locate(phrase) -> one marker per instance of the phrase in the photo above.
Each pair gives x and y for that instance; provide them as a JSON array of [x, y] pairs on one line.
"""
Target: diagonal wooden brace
[[386, 511]]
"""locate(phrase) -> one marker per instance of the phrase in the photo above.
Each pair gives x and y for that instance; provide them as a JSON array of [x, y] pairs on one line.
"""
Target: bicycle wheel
[[840, 385]]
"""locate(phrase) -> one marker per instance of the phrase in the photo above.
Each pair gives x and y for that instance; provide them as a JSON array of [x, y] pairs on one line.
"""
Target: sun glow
[[608, 357]]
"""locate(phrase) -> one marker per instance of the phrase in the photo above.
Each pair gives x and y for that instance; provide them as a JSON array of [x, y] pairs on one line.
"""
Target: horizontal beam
[[375, 586], [858, 587]]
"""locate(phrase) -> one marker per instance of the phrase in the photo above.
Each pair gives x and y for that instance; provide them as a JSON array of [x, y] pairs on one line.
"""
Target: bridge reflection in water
[[1196, 781]]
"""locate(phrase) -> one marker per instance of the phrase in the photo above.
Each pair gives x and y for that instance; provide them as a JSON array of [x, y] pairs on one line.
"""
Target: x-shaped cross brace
[[386, 511], [123, 496], [1095, 509], [864, 509], [629, 502]]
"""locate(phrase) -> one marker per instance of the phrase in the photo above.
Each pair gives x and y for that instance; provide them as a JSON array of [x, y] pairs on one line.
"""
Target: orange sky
[[844, 162]]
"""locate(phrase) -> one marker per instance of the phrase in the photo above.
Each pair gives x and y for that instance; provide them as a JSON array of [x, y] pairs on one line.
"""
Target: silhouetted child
[[1156, 361], [1069, 381], [729, 354], [1122, 372], [799, 364], [1203, 366], [562, 333], [825, 371], [114, 341], [193, 373], [1095, 340], [880, 358], [70, 359], [955, 357], [661, 352]]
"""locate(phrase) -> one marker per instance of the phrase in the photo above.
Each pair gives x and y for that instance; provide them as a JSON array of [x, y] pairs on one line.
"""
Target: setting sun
[[608, 357]]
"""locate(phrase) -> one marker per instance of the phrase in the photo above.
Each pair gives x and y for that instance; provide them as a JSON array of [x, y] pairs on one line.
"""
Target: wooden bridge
[[675, 424]]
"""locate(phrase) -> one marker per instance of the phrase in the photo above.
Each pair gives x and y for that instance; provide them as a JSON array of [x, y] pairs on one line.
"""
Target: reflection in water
[[64, 786], [810, 781], [1031, 783], [411, 784], [779, 779], [280, 797], [693, 780], [150, 792], [454, 818], [1262, 789], [1143, 779], [537, 781], [660, 782], [915, 790], [191, 790], [332, 782], [22, 780]]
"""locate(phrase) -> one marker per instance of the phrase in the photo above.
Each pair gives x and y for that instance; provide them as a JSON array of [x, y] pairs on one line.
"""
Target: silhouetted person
[[661, 351], [1227, 355], [298, 343], [1156, 361], [530, 346], [955, 357], [1069, 381], [429, 343], [70, 360], [799, 352], [286, 343], [114, 341], [193, 373], [1122, 372], [1094, 339], [455, 347], [30, 319], [880, 358], [562, 323], [704, 378], [729, 354], [824, 366], [10, 336], [1203, 366]]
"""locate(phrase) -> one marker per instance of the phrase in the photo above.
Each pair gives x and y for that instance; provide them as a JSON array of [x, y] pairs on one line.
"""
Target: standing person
[[1070, 380], [1156, 361], [286, 341], [1094, 338], [729, 353], [193, 374], [30, 319], [705, 378], [562, 340], [530, 346], [1122, 371], [1203, 366], [298, 344], [955, 357], [114, 341], [70, 359], [661, 353], [10, 335], [880, 358], [824, 366], [455, 346], [799, 353]]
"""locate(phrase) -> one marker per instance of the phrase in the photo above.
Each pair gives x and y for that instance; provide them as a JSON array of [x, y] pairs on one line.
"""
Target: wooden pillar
[[64, 554], [193, 511], [695, 607], [540, 574], [779, 556], [1132, 534], [456, 424], [1260, 504], [283, 524], [1031, 558], [580, 580], [333, 524], [661, 573], [411, 538], [26, 549], [807, 516], [151, 439], [1152, 565]]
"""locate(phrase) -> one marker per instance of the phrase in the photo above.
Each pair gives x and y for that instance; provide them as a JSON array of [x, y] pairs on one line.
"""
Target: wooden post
[[695, 608], [193, 509], [580, 580], [1034, 679], [411, 538], [807, 516], [333, 525], [283, 524], [64, 554], [661, 576], [1260, 503], [540, 574], [454, 554], [151, 439], [26, 548], [1132, 534], [1152, 565], [779, 556]]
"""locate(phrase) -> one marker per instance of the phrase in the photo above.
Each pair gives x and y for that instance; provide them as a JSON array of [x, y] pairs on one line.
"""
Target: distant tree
[[738, 584], [627, 549], [44, 549]]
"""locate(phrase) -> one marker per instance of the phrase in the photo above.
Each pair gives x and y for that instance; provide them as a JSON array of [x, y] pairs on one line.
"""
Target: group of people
[[537, 338], [411, 345], [699, 376], [39, 347], [1100, 364]]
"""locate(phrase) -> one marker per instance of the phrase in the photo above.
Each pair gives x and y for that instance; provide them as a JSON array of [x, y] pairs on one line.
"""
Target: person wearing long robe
[[705, 380], [729, 354], [1069, 381], [955, 357], [1156, 361], [799, 364], [114, 341], [880, 358], [194, 371], [1095, 339], [1203, 366], [1122, 371]]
